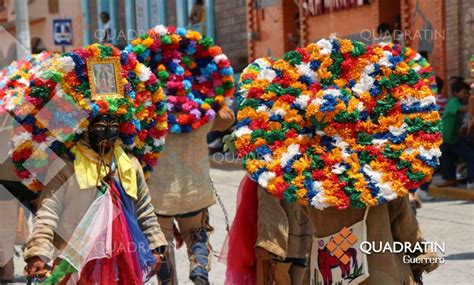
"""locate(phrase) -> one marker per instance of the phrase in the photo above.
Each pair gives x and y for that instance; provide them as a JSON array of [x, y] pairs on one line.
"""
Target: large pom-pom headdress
[[196, 75], [64, 106], [337, 123]]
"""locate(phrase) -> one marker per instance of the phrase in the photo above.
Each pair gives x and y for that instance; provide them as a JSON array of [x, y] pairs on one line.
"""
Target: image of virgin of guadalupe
[[104, 78]]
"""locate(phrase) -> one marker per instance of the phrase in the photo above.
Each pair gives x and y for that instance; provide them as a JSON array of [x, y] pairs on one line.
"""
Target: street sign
[[62, 32]]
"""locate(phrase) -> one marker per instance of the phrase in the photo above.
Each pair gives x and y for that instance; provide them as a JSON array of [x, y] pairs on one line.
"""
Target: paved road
[[451, 222]]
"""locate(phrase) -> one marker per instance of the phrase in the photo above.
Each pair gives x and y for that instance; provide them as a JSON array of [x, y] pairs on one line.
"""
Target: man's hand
[[224, 119], [156, 267], [35, 266], [261, 253]]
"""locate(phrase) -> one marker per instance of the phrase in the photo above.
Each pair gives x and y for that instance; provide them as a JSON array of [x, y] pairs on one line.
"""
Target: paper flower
[[337, 124], [195, 75], [63, 109], [15, 79]]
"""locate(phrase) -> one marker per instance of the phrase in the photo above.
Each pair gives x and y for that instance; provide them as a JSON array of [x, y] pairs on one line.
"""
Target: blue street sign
[[62, 32]]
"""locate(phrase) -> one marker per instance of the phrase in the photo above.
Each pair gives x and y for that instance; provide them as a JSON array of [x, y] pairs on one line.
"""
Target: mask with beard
[[103, 132]]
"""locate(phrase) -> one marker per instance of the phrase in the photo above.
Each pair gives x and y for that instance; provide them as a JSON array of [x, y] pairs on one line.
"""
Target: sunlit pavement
[[451, 222]]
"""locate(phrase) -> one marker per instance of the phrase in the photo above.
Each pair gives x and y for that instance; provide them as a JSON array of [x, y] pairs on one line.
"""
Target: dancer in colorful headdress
[[345, 130], [197, 78], [14, 79], [95, 206]]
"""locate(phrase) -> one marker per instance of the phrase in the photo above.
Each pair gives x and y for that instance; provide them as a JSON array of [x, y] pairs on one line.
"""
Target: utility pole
[[23, 44]]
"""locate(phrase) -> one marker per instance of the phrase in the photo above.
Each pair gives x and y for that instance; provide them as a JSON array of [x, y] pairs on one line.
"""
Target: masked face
[[103, 132]]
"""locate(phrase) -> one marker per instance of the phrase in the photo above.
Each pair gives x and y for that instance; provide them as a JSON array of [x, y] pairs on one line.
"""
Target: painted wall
[[271, 26], [268, 30], [427, 31], [459, 37], [231, 31], [41, 24], [344, 22]]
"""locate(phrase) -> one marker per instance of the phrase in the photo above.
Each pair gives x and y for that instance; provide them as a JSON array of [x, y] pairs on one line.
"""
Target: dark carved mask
[[103, 132]]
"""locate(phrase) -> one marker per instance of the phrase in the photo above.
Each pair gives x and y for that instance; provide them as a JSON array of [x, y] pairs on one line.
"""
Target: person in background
[[441, 98], [470, 130], [37, 46], [454, 145], [13, 196], [384, 34], [106, 32], [398, 36], [441, 101], [197, 13]]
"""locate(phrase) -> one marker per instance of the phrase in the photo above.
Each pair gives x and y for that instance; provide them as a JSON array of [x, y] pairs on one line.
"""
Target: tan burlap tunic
[[393, 221], [180, 183], [63, 205]]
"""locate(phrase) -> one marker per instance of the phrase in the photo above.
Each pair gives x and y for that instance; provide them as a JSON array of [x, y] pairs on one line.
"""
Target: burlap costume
[[181, 182], [180, 189], [285, 231], [393, 221], [63, 204]]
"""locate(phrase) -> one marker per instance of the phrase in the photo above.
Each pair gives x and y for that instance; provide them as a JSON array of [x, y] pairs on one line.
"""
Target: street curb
[[452, 193]]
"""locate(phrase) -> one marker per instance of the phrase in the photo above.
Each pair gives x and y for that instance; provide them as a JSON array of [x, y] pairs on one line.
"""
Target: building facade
[[224, 20], [41, 16], [439, 29], [248, 29]]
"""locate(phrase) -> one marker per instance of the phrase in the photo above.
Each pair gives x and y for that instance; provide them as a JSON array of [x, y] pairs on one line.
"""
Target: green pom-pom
[[276, 88], [228, 85], [359, 49], [319, 125], [207, 42], [390, 153], [209, 101], [219, 90], [335, 67], [105, 51], [139, 49], [166, 39], [364, 139], [186, 60], [113, 105], [163, 75], [403, 164], [316, 160], [250, 102], [257, 134], [293, 57], [290, 194], [365, 157], [415, 176], [40, 92], [275, 135]]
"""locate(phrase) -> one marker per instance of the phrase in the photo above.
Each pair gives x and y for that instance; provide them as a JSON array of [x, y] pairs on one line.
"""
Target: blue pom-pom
[[227, 71], [187, 84], [181, 31], [175, 128], [186, 128]]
